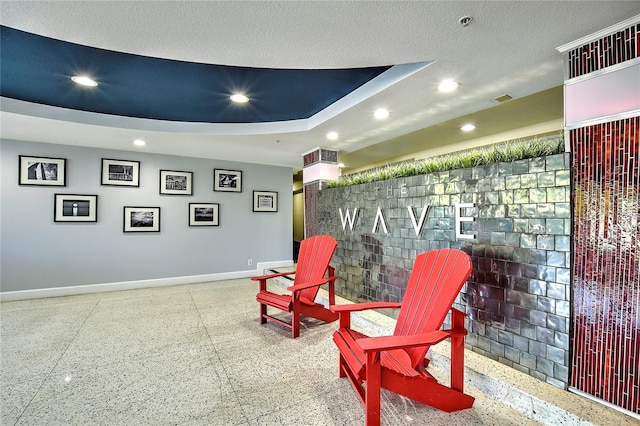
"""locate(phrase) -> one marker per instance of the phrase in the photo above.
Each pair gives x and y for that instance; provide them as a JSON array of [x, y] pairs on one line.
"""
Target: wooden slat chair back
[[313, 261], [397, 363], [313, 270], [435, 282]]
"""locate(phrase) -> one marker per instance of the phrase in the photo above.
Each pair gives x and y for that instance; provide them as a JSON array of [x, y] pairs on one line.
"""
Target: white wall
[[37, 253]]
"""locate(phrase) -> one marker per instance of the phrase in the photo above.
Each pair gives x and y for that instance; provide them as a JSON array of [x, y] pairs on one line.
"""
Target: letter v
[[418, 226]]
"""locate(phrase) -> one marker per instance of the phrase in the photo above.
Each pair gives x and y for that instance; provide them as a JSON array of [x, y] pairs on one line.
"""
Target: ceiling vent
[[502, 98]]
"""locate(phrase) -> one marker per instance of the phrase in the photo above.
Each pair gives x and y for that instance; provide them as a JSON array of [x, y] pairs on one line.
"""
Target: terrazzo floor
[[186, 355]]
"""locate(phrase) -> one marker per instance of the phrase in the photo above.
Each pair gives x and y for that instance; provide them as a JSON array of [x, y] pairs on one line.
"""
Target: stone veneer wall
[[517, 299]]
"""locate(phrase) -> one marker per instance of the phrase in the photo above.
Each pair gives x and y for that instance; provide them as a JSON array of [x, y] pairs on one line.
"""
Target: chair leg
[[457, 353], [372, 394], [263, 312], [341, 370], [295, 323]]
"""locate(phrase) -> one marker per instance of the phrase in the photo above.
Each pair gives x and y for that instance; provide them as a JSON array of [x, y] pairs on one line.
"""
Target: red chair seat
[[279, 301]]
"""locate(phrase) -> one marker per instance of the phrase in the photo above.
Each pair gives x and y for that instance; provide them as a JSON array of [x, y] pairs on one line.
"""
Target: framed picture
[[265, 201], [120, 172], [42, 171], [176, 183], [75, 208], [141, 219], [204, 214], [227, 180]]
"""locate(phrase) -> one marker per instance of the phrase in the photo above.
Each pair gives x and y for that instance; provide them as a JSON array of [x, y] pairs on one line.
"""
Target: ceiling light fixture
[[239, 98], [332, 136], [83, 80], [467, 127], [139, 142], [381, 113], [448, 86]]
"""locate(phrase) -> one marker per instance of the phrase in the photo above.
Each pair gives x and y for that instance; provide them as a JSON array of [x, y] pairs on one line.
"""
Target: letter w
[[347, 218]]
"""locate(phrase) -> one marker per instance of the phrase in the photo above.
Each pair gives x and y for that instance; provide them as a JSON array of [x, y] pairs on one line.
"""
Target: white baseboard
[[8, 296]]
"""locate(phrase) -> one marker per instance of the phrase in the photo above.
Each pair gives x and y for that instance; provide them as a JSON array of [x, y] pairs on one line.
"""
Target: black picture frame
[[141, 219], [174, 182], [42, 171], [227, 180], [75, 208], [204, 214], [265, 201], [120, 172]]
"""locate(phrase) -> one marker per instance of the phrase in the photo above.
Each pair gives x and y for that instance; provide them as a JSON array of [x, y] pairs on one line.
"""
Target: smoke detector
[[465, 21]]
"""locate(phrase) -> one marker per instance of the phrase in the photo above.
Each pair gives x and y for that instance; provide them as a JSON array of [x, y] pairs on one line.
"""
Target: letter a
[[379, 219]]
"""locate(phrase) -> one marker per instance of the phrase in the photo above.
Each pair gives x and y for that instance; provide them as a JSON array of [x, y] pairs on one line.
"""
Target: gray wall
[[37, 253], [517, 299]]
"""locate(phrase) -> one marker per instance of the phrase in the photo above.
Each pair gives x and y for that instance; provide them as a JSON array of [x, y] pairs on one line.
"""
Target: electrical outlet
[[250, 262]]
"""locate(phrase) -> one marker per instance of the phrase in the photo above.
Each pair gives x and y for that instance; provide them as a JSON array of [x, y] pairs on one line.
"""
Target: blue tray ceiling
[[38, 69]]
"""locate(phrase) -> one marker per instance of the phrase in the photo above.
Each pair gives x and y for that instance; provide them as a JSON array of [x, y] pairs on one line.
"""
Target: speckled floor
[[196, 355]]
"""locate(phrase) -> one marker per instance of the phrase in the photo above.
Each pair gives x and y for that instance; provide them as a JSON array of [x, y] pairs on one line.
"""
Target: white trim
[[605, 119], [603, 402], [603, 71], [8, 296], [599, 34]]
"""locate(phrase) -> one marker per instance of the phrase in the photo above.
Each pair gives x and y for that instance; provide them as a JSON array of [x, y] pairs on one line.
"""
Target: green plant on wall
[[502, 152]]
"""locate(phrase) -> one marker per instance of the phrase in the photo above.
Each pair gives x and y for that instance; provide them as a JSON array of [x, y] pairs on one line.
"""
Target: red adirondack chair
[[313, 270], [397, 363]]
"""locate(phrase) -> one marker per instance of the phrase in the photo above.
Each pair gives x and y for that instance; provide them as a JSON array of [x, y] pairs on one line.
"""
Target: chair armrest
[[355, 307], [382, 343], [312, 284], [266, 277]]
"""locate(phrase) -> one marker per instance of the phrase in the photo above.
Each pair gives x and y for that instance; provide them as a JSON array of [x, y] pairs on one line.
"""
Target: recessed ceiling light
[[447, 86], [139, 142], [381, 113], [239, 98], [467, 127], [83, 80], [332, 136]]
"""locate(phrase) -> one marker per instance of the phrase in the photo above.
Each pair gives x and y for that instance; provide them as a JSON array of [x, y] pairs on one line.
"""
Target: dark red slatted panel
[[610, 50], [606, 289], [311, 192]]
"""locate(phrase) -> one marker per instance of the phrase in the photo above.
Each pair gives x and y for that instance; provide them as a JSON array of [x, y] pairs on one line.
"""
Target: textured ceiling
[[509, 47]]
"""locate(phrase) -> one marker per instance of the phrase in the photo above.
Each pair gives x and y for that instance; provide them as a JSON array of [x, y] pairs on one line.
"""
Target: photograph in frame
[[265, 201], [75, 208], [141, 219], [227, 180], [42, 171], [173, 182], [204, 214], [120, 172]]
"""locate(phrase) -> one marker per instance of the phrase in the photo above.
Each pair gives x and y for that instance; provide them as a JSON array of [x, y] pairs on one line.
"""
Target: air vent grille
[[503, 98]]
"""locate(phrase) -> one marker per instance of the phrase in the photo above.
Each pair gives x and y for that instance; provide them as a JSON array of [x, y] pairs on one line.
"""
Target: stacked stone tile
[[517, 299]]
